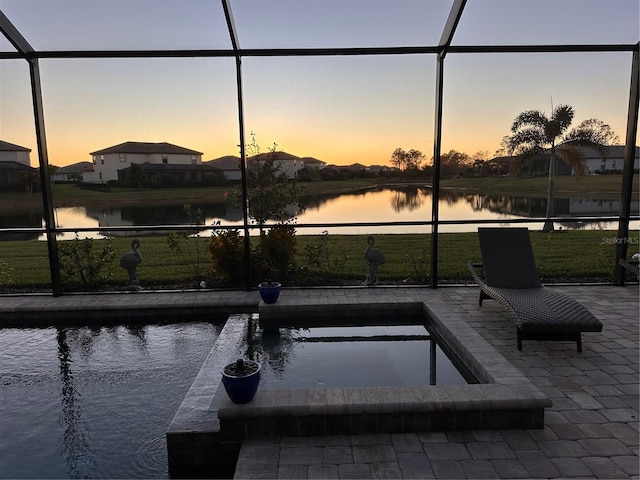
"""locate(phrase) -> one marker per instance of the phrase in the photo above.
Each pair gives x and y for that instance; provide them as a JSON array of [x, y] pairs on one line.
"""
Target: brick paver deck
[[591, 431]]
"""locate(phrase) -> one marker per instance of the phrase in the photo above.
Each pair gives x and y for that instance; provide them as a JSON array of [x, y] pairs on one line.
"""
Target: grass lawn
[[596, 187], [561, 256]]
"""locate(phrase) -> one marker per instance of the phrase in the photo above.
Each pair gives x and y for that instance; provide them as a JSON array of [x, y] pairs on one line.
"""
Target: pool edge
[[206, 433]]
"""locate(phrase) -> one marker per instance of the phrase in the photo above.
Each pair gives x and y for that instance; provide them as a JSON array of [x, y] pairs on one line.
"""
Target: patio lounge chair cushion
[[511, 277]]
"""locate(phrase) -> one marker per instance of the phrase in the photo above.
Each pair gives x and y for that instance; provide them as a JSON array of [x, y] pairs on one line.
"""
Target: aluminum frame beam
[[623, 240]]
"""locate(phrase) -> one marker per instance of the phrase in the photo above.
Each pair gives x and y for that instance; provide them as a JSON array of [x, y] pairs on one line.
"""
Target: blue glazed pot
[[241, 379], [270, 291]]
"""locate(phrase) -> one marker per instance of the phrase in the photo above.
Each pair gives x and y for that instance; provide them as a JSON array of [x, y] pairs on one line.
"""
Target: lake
[[384, 204]]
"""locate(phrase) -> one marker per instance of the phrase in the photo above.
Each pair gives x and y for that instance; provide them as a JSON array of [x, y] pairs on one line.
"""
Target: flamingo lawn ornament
[[374, 257], [130, 261]]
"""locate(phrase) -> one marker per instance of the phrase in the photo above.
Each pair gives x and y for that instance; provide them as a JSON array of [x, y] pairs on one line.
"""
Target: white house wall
[[15, 156], [595, 164], [106, 166]]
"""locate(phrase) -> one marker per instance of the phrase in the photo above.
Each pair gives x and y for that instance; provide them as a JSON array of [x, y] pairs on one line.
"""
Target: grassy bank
[[71, 196], [603, 187], [567, 256], [596, 187]]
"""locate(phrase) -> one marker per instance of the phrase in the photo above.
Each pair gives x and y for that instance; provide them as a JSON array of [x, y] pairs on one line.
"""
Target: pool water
[[352, 357], [94, 402]]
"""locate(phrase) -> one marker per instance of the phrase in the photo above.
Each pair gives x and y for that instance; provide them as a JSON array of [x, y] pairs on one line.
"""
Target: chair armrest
[[477, 271]]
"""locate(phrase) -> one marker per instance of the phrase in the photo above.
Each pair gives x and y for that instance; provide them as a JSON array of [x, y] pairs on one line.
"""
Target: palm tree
[[533, 133]]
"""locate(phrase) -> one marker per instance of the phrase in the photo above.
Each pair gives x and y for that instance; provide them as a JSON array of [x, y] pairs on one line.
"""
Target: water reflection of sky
[[388, 205], [85, 403]]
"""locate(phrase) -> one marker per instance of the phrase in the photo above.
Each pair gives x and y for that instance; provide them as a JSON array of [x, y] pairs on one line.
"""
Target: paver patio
[[591, 431]]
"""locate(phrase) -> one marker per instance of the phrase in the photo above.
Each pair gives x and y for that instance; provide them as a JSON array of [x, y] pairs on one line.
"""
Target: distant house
[[613, 163], [14, 153], [288, 164], [332, 172], [594, 162], [228, 165], [72, 173], [311, 169], [382, 170], [108, 161], [355, 170], [310, 162]]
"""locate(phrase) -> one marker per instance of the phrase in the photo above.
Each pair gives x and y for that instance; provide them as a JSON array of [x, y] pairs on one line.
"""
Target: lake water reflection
[[388, 204]]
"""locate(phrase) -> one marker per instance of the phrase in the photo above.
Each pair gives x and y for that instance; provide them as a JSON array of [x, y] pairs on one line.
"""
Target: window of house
[[102, 161], [165, 158], [123, 157], [100, 173], [194, 160]]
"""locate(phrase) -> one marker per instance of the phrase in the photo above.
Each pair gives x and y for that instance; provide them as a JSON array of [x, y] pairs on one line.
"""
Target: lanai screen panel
[[119, 24], [549, 22], [338, 23]]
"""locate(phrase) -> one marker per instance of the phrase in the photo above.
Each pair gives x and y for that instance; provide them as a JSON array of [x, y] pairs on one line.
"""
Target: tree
[[30, 181], [479, 163], [452, 163], [404, 161], [270, 196], [270, 193], [533, 133], [598, 132]]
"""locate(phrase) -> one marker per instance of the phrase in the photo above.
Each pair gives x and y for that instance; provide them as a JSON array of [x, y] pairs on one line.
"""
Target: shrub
[[321, 259], [188, 244], [278, 248], [81, 265], [226, 248]]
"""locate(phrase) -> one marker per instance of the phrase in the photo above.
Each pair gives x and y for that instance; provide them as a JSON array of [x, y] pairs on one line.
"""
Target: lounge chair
[[509, 275]]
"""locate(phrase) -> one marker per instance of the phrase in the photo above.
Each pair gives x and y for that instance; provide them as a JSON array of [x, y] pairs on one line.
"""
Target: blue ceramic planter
[[270, 291], [241, 379]]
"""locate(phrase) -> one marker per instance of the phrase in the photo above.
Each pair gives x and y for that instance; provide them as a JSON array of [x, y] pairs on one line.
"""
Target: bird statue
[[375, 258], [130, 261]]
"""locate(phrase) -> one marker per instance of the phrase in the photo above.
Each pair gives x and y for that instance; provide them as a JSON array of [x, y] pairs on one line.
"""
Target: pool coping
[[206, 432]]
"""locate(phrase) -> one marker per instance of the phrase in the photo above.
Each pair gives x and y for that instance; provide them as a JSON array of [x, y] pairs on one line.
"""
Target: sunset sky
[[338, 109]]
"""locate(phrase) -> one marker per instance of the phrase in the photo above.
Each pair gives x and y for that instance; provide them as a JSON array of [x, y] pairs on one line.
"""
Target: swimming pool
[[399, 355], [94, 402]]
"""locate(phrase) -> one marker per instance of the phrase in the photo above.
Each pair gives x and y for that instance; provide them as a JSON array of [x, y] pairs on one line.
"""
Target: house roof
[[278, 156], [311, 160], [16, 166], [613, 151], [78, 167], [146, 147], [10, 147], [228, 162], [356, 166]]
